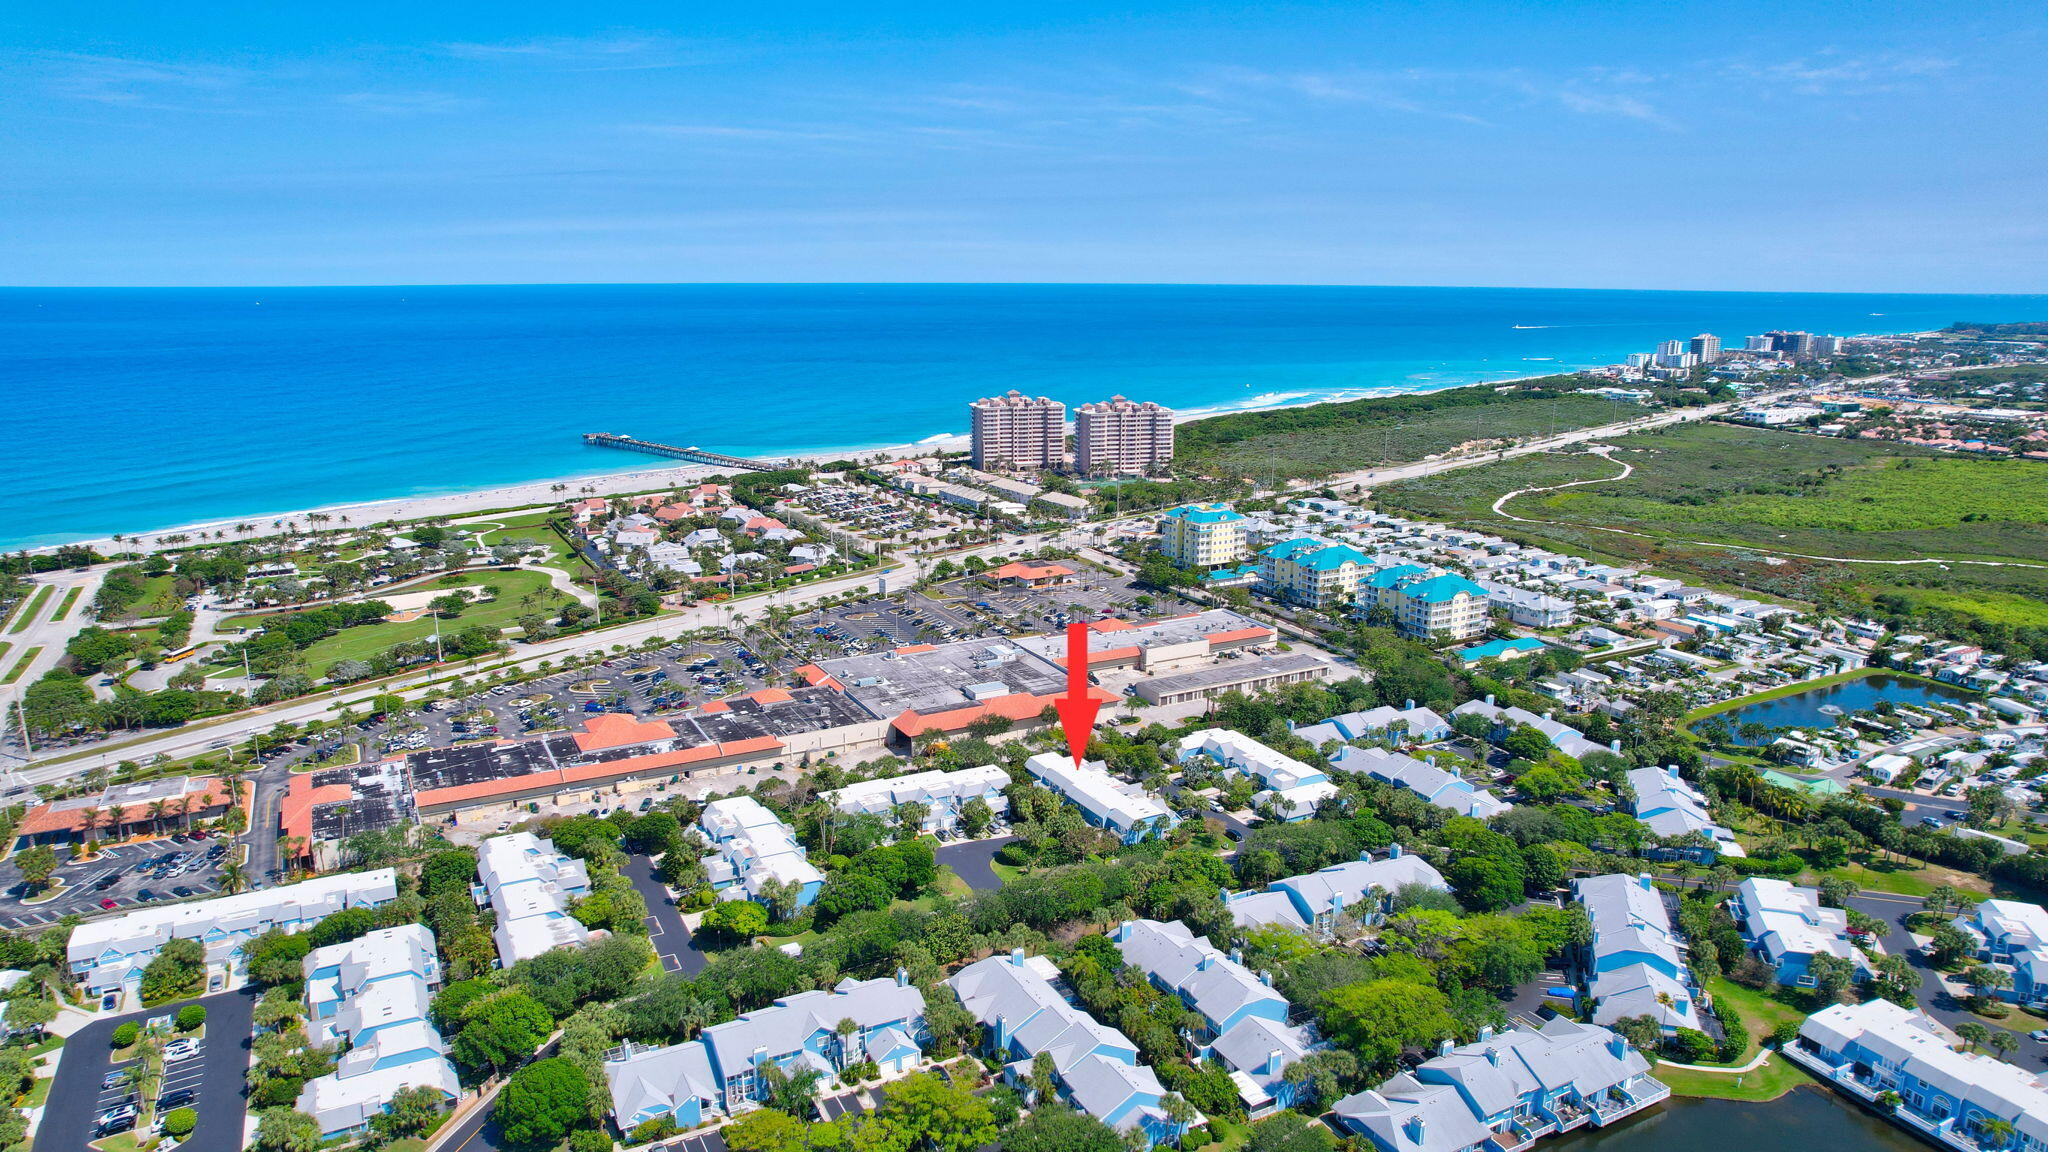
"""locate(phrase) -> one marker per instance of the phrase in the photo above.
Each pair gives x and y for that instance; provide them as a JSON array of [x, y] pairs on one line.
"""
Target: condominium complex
[[750, 846], [1119, 436], [1094, 1067], [1423, 602], [1706, 346], [1015, 432], [723, 1072], [1292, 788], [529, 885], [1124, 810], [370, 996], [1964, 1100], [941, 794], [1313, 573], [108, 955], [1202, 536]]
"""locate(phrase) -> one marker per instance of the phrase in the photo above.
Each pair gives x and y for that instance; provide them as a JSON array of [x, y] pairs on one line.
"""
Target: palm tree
[[185, 811], [846, 1029], [158, 809], [1993, 1132], [87, 821], [114, 814], [233, 879]]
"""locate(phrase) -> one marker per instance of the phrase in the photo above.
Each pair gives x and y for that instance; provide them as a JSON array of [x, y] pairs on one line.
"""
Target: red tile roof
[[618, 730]]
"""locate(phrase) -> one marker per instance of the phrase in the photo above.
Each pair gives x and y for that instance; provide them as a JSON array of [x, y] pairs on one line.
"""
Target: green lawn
[[1775, 1077], [21, 665], [1773, 493], [70, 600], [1900, 877], [26, 614], [517, 594], [1759, 1013]]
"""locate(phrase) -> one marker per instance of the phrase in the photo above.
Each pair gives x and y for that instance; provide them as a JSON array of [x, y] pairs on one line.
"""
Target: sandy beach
[[541, 493]]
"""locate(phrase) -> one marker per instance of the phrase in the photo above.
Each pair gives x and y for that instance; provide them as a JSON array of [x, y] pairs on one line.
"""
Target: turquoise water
[[132, 410], [1804, 710]]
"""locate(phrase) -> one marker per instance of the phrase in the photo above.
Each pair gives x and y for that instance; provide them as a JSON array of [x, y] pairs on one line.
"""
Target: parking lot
[[117, 877], [209, 1080]]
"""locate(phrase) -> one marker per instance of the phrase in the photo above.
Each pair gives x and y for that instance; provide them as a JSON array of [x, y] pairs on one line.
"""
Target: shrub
[[179, 1122], [191, 1017], [1785, 1033], [1690, 1045], [127, 1034], [1015, 854], [1735, 1043], [653, 1129]]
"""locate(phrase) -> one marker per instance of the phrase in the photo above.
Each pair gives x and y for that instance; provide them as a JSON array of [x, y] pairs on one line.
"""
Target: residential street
[[1933, 999]]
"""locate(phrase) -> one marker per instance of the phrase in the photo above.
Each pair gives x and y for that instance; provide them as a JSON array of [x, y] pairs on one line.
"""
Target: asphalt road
[[68, 1117], [665, 927], [970, 858], [1936, 1002]]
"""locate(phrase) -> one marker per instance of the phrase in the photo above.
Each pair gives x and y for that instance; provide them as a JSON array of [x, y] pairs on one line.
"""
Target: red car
[[108, 902]]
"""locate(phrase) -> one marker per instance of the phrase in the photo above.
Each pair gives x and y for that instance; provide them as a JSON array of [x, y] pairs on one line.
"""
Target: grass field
[[1900, 877], [1759, 1012], [517, 594], [1776, 498], [1775, 1077], [21, 665], [1322, 440], [31, 607], [65, 605]]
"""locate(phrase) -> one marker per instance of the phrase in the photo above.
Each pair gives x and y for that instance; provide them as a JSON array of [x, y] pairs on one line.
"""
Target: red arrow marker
[[1078, 707]]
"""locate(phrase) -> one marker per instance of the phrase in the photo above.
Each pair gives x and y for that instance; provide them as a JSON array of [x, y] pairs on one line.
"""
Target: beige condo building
[[1120, 436], [1014, 432]]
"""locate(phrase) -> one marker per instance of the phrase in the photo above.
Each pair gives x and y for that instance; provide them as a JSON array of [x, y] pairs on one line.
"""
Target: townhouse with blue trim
[[370, 996], [1634, 965], [716, 1075], [1443, 788], [1671, 806], [1314, 901], [1967, 1101], [1017, 1001], [1505, 1092], [942, 793], [109, 955], [1291, 787], [1125, 811], [1244, 1020], [750, 846], [529, 885], [1786, 926], [1406, 724], [2012, 935]]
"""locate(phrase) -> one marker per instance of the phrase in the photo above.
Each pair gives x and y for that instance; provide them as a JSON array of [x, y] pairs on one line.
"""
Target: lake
[[1802, 1120], [1804, 710]]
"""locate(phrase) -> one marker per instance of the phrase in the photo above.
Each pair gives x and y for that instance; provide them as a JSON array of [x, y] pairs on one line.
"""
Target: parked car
[[178, 1050], [117, 1119], [114, 1079], [109, 902], [181, 1098]]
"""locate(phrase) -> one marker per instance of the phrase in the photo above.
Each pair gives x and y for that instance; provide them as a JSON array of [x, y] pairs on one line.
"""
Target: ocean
[[136, 410]]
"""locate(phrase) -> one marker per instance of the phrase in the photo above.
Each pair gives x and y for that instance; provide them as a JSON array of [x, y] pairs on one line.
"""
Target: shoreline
[[539, 492]]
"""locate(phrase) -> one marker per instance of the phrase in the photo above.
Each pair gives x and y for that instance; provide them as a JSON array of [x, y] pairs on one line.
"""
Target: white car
[[178, 1050]]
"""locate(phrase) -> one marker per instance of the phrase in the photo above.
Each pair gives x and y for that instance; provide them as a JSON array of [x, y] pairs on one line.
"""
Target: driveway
[[665, 927], [221, 1070], [970, 859], [1934, 1000]]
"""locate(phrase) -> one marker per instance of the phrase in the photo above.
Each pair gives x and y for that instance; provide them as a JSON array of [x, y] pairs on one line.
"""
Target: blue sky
[[1821, 146]]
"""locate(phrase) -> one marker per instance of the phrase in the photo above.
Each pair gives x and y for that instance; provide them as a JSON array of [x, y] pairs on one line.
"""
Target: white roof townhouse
[[529, 885], [750, 846], [105, 954], [370, 996], [1787, 926], [1313, 901], [942, 793], [1441, 788], [1296, 788], [1673, 807], [1126, 810], [1635, 965]]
